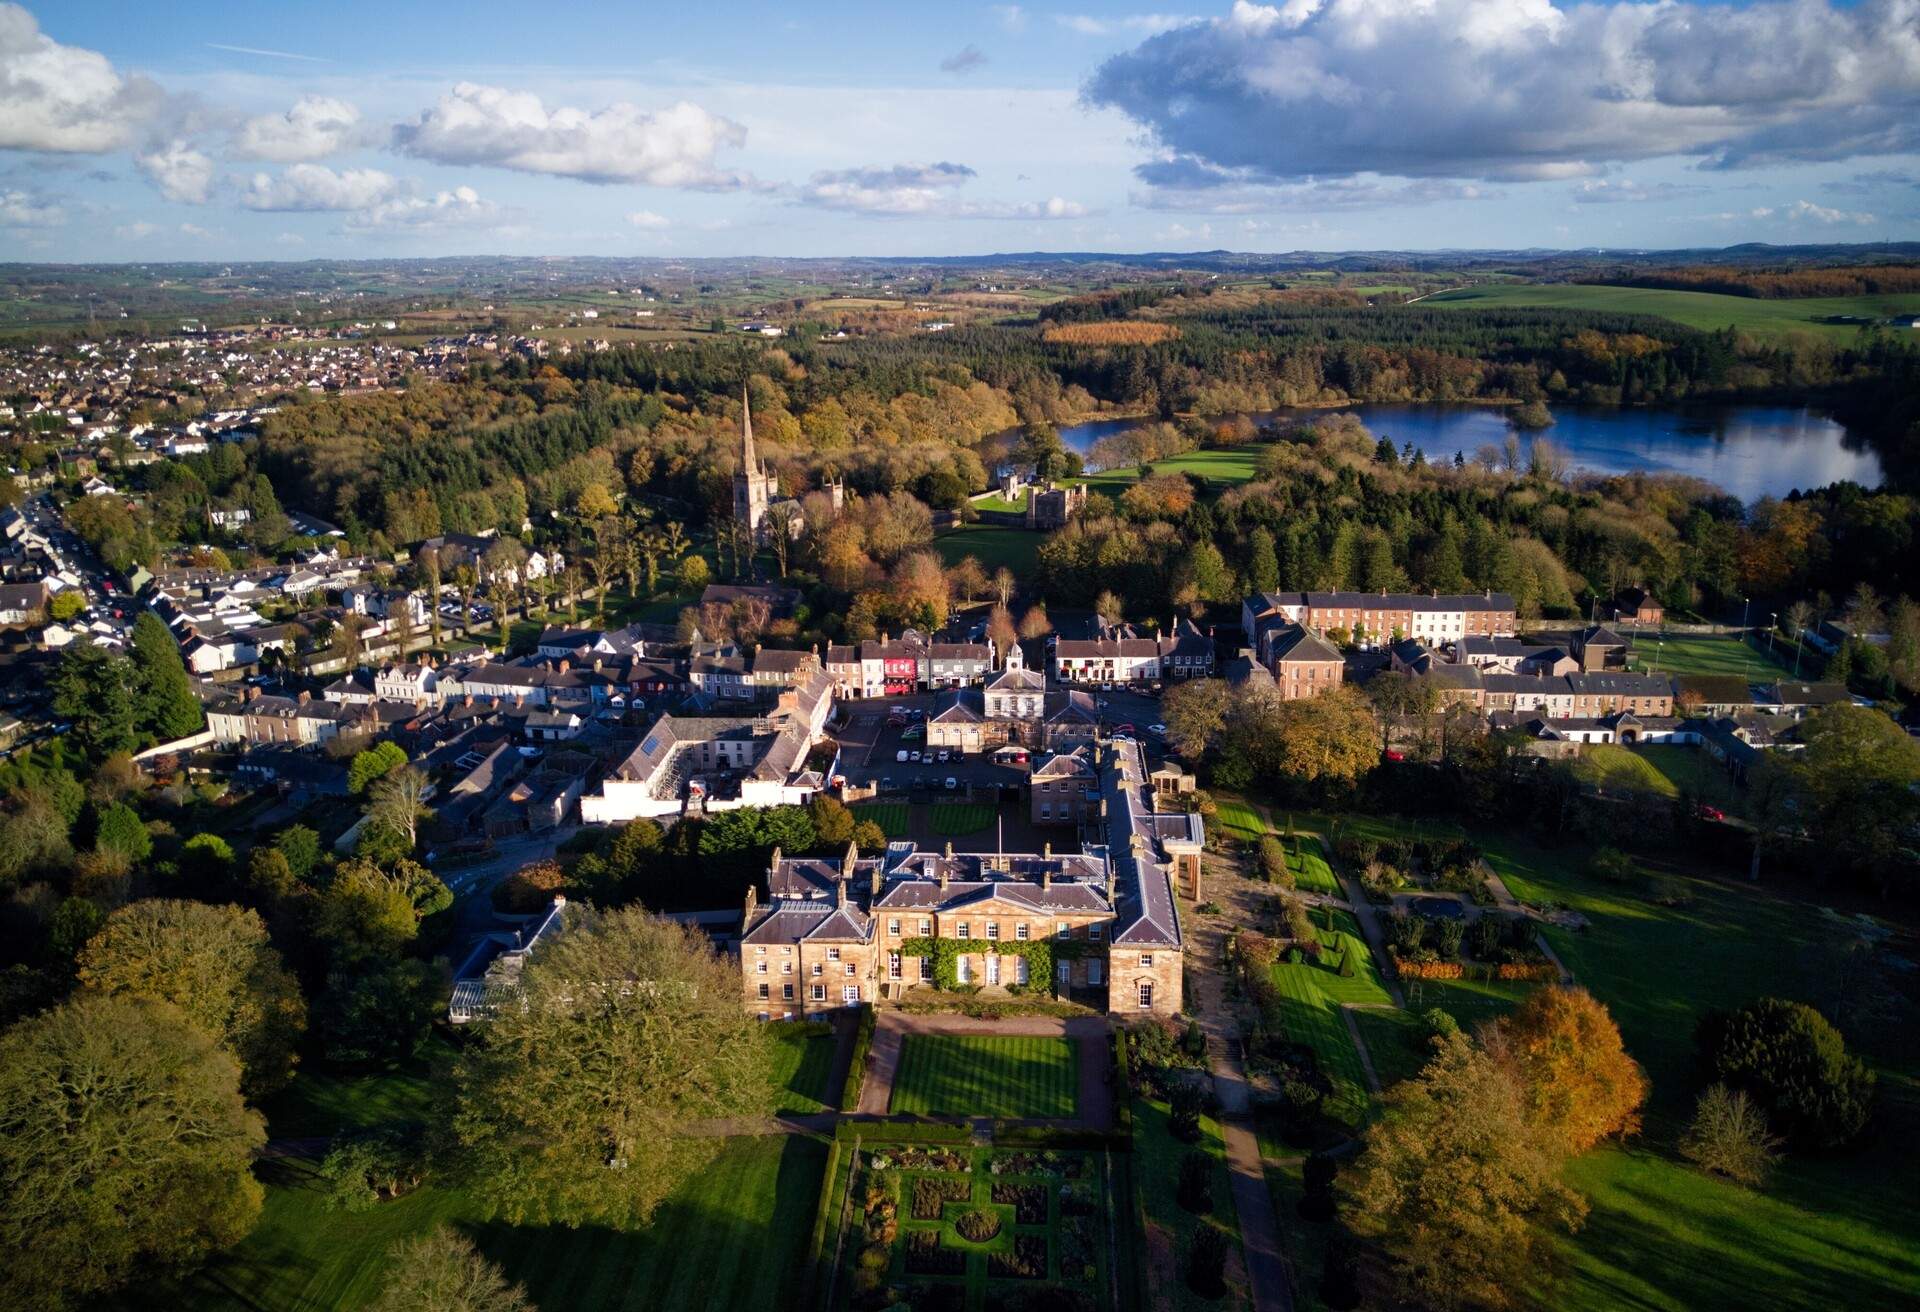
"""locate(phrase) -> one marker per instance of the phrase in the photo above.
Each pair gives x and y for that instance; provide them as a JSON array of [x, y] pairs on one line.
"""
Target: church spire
[[749, 462]]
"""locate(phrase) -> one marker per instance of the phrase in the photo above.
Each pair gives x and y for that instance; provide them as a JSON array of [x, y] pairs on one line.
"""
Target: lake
[[1750, 451]]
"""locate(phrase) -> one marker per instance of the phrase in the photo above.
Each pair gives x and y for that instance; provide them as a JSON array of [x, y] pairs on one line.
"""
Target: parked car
[[913, 755], [952, 783], [900, 757], [1395, 757], [1124, 730], [1157, 730], [1711, 812]]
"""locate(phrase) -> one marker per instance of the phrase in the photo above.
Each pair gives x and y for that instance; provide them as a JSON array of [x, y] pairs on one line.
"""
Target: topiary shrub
[[1196, 1183], [1186, 1105], [1316, 1204], [1207, 1262]]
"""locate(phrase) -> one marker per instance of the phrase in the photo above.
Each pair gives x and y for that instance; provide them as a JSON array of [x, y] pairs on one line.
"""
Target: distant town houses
[[1377, 618], [1120, 656]]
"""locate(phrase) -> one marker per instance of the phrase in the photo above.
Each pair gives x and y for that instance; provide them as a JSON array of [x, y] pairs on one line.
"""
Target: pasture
[[1708, 311]]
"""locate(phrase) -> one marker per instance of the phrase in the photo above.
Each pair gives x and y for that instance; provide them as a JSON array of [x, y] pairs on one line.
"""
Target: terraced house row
[[841, 933]]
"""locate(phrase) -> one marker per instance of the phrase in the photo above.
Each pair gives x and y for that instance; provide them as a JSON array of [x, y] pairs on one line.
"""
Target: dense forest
[[1775, 284]]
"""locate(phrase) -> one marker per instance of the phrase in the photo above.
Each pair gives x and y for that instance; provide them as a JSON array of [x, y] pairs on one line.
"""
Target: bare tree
[[398, 803]]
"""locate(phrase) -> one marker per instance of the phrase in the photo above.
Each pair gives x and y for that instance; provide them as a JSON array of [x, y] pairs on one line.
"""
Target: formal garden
[[959, 1227], [987, 1076]]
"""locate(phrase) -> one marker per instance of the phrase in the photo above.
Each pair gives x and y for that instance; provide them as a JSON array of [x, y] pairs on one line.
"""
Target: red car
[[1711, 812], [1395, 757]]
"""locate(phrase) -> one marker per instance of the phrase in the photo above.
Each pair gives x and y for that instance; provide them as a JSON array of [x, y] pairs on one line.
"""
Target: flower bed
[[931, 1196], [1026, 1260], [978, 1225], [927, 1256], [911, 1158], [1040, 1163], [1519, 971], [1029, 1201]]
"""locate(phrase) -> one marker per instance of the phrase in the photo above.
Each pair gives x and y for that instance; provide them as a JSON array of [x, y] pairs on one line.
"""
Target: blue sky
[[215, 130]]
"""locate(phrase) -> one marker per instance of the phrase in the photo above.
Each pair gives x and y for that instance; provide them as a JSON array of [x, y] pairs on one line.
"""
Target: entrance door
[[1093, 970], [1064, 972], [963, 969], [993, 967]]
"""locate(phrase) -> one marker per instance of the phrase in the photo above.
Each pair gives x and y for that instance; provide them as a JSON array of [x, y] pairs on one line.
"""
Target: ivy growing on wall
[[1040, 955]]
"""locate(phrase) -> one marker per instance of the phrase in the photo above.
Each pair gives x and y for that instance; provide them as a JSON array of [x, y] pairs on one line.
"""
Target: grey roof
[[1143, 885]]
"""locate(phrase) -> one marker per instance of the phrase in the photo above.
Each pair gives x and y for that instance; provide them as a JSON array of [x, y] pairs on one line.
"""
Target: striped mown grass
[[1311, 873], [970, 1075], [890, 816], [1241, 818]]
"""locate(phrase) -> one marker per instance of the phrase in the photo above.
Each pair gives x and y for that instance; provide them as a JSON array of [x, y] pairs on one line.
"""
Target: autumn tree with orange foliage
[[1566, 1054]]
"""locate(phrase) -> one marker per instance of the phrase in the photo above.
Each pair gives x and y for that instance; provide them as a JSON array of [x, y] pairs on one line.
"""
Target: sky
[[222, 130]]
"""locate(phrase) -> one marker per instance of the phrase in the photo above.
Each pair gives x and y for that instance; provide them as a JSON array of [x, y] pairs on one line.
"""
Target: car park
[[952, 783]]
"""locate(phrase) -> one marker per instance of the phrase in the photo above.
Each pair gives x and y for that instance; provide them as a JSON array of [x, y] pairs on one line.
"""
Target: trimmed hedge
[[1520, 971], [857, 1069]]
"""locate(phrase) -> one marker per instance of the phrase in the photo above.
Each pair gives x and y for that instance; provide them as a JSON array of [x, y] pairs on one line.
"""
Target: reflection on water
[[1751, 451]]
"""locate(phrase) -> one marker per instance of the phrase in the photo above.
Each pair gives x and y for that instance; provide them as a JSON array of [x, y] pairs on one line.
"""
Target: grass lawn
[[993, 545], [1156, 1175], [1833, 1233], [727, 1240], [1311, 873], [1663, 769], [1703, 653], [1706, 310], [1241, 818], [1606, 766], [802, 1061], [892, 817], [322, 1102], [1231, 467], [958, 818], [970, 1075], [1310, 996], [1016, 505]]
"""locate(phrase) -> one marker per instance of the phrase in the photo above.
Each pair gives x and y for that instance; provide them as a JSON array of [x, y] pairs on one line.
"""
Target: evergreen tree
[[163, 695], [93, 688], [1263, 562]]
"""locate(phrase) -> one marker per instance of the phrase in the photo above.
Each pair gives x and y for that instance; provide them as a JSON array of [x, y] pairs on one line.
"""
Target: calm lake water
[[1751, 451]]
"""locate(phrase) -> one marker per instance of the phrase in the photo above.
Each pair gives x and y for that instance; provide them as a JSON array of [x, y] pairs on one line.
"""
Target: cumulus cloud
[[1519, 89], [22, 209], [1805, 211], [672, 147], [648, 219], [317, 187], [461, 207], [920, 191], [316, 127], [1179, 186], [65, 98], [1614, 191], [964, 60], [181, 173], [1090, 25]]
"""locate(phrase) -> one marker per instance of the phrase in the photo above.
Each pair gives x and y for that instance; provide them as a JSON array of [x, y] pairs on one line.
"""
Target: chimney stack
[[753, 903], [840, 893], [849, 859]]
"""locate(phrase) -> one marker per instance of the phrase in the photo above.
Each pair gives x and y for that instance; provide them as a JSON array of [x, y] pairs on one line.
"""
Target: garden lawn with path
[[892, 817], [979, 1075], [956, 1226], [1310, 996], [725, 1241], [957, 818], [1311, 873], [1156, 1175], [1242, 819]]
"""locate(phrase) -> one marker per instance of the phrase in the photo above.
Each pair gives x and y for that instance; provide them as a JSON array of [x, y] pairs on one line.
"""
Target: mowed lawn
[[802, 1061], [726, 1241], [892, 817], [1231, 466], [1662, 769], [1703, 653], [1311, 994], [1705, 310], [957, 818], [993, 545], [975, 1075], [1240, 818], [1311, 873]]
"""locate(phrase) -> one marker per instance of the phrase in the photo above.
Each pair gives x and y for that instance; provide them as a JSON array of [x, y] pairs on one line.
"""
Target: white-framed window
[[759, 967], [763, 991], [926, 928], [926, 968], [1020, 931], [1146, 994], [817, 969], [819, 992], [786, 968], [833, 954], [850, 994], [786, 992], [1063, 930], [993, 929], [1093, 933], [962, 930], [786, 952], [851, 968], [893, 965], [1146, 958], [759, 952], [893, 928]]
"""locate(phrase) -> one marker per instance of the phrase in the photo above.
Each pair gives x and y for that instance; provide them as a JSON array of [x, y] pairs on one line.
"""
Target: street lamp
[[1773, 622], [1746, 652]]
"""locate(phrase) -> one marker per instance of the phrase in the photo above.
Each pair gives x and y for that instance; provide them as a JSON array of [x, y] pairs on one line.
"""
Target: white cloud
[[291, 239], [316, 127], [672, 147], [64, 98], [1518, 89], [1205, 196], [921, 191], [1807, 210], [317, 187], [964, 60], [1150, 24], [20, 209], [1613, 191], [1012, 17], [181, 173], [138, 230], [648, 219], [461, 207]]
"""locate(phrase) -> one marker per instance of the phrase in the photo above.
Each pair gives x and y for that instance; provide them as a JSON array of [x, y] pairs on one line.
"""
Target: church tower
[[753, 485]]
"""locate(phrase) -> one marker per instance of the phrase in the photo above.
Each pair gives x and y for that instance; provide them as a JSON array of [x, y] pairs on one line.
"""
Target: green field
[[957, 818], [321, 1102], [1241, 818], [1704, 654], [1661, 769], [1156, 1175], [802, 1061], [1311, 872], [1227, 467], [892, 817], [1018, 505], [726, 1241], [993, 545], [1704, 310], [970, 1075], [1311, 994]]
